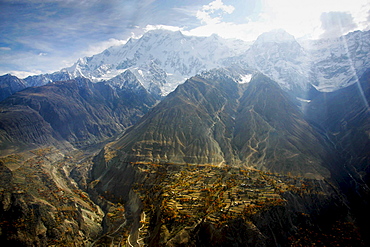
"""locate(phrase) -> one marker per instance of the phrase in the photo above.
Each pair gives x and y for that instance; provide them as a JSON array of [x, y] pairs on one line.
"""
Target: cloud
[[24, 74], [218, 5], [299, 18], [165, 27], [204, 15], [364, 22], [48, 35], [212, 19], [247, 31], [23, 64], [335, 24]]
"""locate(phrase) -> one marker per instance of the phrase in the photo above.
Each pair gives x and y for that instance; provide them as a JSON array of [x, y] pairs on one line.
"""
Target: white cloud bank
[[310, 19], [217, 8], [336, 23]]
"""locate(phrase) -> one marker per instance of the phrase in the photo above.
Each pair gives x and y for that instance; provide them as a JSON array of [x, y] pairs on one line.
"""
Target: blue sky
[[40, 36]]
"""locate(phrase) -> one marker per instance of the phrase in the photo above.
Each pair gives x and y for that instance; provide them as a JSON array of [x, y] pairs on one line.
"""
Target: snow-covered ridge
[[327, 65], [338, 63], [279, 56], [160, 60]]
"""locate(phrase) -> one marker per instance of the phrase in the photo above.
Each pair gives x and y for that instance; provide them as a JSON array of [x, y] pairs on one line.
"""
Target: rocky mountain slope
[[213, 119], [40, 80], [344, 118], [40, 205], [76, 112]]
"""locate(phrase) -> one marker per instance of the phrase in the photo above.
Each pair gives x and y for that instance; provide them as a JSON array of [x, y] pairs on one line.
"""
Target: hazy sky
[[40, 36]]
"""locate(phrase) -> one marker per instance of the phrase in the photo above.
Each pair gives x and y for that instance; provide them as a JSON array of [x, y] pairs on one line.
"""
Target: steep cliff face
[[214, 119], [113, 175], [77, 112]]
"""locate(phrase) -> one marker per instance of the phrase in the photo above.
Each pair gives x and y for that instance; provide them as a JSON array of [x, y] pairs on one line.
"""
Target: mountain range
[[161, 60], [172, 140]]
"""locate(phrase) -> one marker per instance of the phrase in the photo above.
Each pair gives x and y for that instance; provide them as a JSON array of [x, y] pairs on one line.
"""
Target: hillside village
[[188, 194]]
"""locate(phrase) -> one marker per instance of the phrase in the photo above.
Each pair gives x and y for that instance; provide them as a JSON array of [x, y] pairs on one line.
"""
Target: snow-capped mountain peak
[[279, 56], [327, 65], [160, 59], [276, 36]]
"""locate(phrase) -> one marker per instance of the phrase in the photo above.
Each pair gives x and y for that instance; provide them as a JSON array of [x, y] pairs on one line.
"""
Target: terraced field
[[177, 197]]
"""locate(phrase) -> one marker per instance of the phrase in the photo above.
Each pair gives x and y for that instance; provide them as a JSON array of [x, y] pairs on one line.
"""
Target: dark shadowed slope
[[343, 117], [77, 112]]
